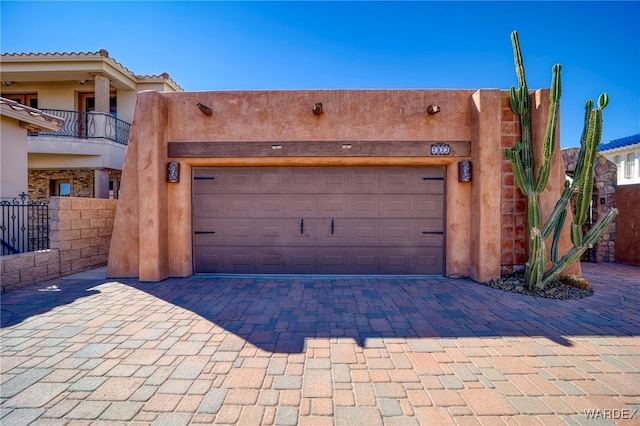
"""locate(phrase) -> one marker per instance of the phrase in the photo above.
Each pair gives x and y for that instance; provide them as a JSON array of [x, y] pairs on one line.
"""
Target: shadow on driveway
[[278, 314]]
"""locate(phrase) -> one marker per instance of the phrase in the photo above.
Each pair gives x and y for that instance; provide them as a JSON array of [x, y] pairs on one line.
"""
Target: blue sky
[[209, 45]]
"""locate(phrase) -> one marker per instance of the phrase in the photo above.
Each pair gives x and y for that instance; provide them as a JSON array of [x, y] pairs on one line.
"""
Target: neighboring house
[[17, 121], [625, 154], [20, 219], [95, 95]]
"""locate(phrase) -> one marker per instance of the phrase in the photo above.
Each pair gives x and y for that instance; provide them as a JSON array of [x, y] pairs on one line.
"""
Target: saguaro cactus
[[523, 163]]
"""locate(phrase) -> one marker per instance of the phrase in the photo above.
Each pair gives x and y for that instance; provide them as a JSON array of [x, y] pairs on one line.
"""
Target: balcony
[[88, 125], [87, 140]]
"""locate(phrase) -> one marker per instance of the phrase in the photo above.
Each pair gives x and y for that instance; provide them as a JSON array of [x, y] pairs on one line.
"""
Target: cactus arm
[[513, 155], [556, 236], [560, 207], [576, 234], [588, 241], [523, 109], [549, 144], [591, 142], [534, 272], [577, 175]]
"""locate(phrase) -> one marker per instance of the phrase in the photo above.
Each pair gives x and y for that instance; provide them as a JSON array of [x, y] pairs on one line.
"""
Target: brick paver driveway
[[313, 351]]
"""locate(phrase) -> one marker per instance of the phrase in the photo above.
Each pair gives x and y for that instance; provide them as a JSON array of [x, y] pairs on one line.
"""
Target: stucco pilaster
[[485, 247], [180, 232], [152, 164], [140, 228], [541, 103], [458, 224], [124, 252]]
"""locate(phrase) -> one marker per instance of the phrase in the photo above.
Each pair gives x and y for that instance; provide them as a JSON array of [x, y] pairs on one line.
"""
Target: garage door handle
[[332, 227], [432, 232], [205, 232], [301, 226]]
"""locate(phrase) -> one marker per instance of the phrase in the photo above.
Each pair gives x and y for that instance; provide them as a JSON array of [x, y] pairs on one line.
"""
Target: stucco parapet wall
[[365, 115]]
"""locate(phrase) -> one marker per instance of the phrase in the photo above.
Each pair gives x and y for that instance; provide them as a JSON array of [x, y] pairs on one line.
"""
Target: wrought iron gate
[[24, 225]]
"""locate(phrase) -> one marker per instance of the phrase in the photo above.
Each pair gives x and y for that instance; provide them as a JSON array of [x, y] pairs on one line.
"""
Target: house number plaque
[[440, 149]]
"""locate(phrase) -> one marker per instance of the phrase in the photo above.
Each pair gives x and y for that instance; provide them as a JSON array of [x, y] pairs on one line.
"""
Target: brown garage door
[[319, 220]]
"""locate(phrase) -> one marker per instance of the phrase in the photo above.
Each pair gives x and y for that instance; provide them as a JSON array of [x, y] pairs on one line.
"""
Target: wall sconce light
[[173, 172], [8, 83], [317, 108], [464, 171], [433, 109], [82, 82], [204, 109]]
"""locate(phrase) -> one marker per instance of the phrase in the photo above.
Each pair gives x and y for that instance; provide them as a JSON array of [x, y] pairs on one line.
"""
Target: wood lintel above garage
[[236, 149]]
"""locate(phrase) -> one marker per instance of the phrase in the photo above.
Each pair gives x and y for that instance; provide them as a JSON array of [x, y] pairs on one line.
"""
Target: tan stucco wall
[[153, 224], [13, 158]]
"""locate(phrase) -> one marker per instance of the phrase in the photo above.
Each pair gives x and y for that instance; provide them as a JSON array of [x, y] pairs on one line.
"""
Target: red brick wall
[[628, 225], [513, 202]]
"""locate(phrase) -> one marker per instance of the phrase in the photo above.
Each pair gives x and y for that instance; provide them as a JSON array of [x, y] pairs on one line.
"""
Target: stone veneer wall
[[80, 234], [514, 205], [82, 182], [40, 181]]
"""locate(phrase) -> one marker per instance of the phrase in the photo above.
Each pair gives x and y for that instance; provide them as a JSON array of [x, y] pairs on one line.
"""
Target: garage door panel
[[431, 207], [207, 207], [325, 260], [319, 232], [303, 207]]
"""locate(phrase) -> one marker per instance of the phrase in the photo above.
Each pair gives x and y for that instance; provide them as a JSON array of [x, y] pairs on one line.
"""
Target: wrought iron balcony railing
[[89, 125]]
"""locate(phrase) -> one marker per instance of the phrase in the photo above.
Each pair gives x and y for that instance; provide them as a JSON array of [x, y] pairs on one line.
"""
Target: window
[[30, 100], [114, 189], [630, 166], [60, 188]]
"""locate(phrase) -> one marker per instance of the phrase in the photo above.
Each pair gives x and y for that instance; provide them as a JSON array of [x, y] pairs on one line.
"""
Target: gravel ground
[[565, 288]]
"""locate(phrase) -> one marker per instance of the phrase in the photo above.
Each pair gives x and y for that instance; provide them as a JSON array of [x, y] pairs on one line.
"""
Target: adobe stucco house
[[371, 182]]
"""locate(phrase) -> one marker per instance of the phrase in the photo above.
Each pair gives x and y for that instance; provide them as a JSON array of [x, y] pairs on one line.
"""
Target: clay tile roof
[[101, 53], [620, 143], [33, 112]]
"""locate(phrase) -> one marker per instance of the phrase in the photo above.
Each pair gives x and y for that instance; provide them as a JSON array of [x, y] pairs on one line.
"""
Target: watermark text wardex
[[611, 414]]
